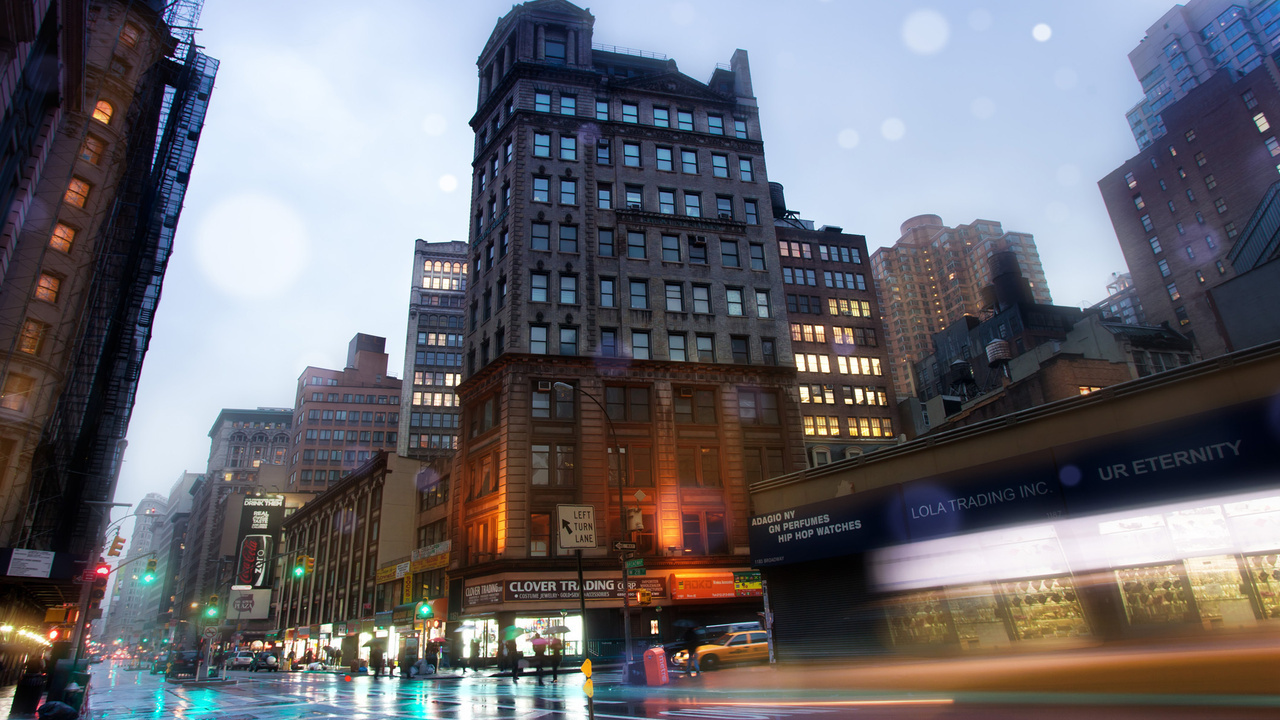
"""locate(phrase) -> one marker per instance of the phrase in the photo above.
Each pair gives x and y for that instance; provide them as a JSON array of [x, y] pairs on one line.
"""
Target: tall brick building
[[934, 275], [625, 321]]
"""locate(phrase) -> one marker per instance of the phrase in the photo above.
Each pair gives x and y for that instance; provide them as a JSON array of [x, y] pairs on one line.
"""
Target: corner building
[[624, 324]]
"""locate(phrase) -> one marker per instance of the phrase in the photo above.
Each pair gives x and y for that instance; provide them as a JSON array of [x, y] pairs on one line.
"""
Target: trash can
[[655, 667], [26, 696]]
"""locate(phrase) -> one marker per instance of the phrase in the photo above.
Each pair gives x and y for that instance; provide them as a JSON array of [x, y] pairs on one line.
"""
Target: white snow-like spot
[[925, 32], [893, 129], [848, 138], [1042, 32]]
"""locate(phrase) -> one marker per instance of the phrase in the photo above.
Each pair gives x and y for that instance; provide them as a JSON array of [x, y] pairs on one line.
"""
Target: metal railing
[[629, 51]]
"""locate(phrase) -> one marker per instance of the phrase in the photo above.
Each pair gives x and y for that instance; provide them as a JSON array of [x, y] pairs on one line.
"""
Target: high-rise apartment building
[[1179, 206], [103, 106], [635, 357], [1188, 45], [934, 275], [430, 418], [1122, 301], [847, 399], [342, 418], [132, 616]]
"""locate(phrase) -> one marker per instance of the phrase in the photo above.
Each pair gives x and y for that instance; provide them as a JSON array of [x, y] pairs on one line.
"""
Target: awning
[[404, 615]]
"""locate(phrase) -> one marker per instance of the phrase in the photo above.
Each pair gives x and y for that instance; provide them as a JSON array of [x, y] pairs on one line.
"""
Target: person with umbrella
[[557, 653], [475, 657], [539, 644], [513, 658]]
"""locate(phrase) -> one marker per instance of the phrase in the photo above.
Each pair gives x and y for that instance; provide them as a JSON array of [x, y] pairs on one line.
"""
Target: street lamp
[[613, 455]]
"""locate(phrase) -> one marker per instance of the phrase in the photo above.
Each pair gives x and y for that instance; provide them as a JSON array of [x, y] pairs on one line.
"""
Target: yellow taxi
[[730, 648]]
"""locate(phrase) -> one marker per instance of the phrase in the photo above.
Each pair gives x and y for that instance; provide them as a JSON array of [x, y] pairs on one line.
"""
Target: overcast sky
[[337, 134]]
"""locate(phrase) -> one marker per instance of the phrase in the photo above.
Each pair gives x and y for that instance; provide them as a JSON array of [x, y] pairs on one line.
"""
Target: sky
[[338, 133]]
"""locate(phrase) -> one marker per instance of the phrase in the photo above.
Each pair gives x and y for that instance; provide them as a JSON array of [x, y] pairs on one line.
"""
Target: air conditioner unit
[[633, 206], [698, 240], [686, 392], [726, 216], [544, 386]]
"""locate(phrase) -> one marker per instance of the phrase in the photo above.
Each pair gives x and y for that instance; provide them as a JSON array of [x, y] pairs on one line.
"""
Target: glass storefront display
[[1264, 571], [1220, 591], [483, 630], [1045, 608], [1155, 594], [566, 627], [976, 614], [919, 618]]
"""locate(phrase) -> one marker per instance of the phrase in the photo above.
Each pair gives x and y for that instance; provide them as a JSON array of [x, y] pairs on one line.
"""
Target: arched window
[[103, 111]]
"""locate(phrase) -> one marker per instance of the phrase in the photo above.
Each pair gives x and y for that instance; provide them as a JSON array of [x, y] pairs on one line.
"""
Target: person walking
[[513, 659], [539, 654], [376, 662], [557, 654], [475, 657]]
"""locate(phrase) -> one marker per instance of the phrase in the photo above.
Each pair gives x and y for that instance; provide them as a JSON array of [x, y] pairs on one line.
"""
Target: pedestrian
[[557, 654], [475, 657], [376, 662], [539, 654], [513, 659]]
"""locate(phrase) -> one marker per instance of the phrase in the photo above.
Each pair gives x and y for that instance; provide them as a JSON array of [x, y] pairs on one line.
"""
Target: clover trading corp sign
[[577, 525]]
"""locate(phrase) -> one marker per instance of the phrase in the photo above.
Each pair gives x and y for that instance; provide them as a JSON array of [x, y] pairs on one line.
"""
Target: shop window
[[1045, 608]]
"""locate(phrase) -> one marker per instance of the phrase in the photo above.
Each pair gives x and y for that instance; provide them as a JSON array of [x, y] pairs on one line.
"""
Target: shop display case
[[976, 614], [1221, 592], [1156, 594], [1264, 570], [920, 618], [1045, 608]]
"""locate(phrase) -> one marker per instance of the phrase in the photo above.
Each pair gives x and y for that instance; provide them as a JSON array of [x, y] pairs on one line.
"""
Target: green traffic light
[[148, 578], [212, 612], [424, 610], [299, 571]]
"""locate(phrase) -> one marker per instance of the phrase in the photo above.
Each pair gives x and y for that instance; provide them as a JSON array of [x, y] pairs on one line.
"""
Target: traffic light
[[98, 589], [425, 611], [54, 633], [211, 608], [309, 563], [300, 568], [149, 575], [116, 546]]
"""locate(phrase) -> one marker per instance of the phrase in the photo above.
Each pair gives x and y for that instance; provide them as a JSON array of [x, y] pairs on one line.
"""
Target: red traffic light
[[53, 634], [102, 570]]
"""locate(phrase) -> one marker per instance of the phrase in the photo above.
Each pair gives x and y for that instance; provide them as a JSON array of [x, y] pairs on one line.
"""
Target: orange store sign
[[702, 586]]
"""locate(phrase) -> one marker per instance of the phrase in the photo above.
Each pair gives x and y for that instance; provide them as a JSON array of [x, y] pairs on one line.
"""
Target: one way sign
[[577, 525]]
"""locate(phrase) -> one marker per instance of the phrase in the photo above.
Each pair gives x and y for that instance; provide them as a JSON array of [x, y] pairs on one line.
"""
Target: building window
[[671, 248], [768, 351], [1222, 269], [706, 347], [639, 294], [568, 192], [630, 113], [693, 204], [758, 407], [627, 404], [689, 162], [31, 340], [47, 287], [568, 148], [675, 297], [62, 239], [605, 244], [733, 296], [1199, 277], [1261, 121], [1200, 159], [739, 348], [568, 341], [724, 207], [763, 307], [92, 149], [102, 112], [753, 215], [1130, 181], [569, 289], [677, 350], [1181, 313], [1146, 223], [729, 253], [17, 391], [542, 102], [702, 299], [697, 250], [667, 202], [740, 128], [77, 192], [540, 236], [703, 533], [1250, 102], [664, 155], [553, 465], [684, 120], [538, 339], [539, 534], [608, 292], [1164, 268], [635, 197], [602, 109], [1221, 205], [541, 189], [568, 105], [609, 342], [635, 245], [1199, 217], [661, 117], [569, 238], [640, 344], [1172, 288], [602, 152], [541, 148], [745, 171], [1138, 202], [604, 197], [715, 124], [631, 154]]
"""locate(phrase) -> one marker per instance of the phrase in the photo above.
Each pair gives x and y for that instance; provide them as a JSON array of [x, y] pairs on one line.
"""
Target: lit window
[[103, 111], [129, 35], [62, 238], [31, 341], [1261, 121], [77, 193], [17, 388], [92, 149], [1138, 202], [47, 287], [1172, 288], [1128, 178]]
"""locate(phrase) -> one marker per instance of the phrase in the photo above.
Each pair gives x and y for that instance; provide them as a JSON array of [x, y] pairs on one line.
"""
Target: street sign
[[635, 563], [210, 632], [577, 524], [635, 571], [619, 546]]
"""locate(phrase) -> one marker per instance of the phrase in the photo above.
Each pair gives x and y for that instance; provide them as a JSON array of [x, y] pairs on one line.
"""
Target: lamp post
[[622, 520]]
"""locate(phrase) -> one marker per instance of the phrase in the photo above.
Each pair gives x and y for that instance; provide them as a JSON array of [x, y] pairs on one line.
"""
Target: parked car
[[240, 661], [730, 648], [265, 661], [160, 663], [182, 663]]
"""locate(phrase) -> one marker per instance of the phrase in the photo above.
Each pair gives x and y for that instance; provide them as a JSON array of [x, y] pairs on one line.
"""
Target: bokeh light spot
[[893, 129], [434, 124], [448, 183], [848, 138], [251, 246], [1042, 32], [925, 32]]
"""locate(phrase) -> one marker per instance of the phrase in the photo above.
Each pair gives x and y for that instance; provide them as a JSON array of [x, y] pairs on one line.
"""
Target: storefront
[[1168, 528]]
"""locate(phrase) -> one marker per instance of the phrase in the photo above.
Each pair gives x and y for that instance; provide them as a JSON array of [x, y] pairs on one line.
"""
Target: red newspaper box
[[655, 666]]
